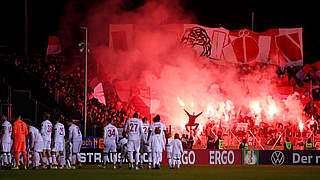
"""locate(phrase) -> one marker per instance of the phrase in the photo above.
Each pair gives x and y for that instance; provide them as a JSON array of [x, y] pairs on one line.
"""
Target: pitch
[[185, 173]]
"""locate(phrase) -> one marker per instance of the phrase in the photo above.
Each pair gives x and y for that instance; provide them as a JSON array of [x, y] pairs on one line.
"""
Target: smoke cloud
[[180, 79]]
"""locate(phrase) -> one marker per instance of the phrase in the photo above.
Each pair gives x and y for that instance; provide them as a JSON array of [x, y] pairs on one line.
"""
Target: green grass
[[185, 173]]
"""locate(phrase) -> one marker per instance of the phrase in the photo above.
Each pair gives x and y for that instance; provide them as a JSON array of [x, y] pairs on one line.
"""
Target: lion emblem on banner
[[197, 36]]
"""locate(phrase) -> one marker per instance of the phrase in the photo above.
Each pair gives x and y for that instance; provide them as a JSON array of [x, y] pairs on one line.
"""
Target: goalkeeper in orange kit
[[20, 131]]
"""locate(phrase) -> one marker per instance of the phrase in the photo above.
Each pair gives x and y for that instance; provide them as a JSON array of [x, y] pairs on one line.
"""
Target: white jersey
[[169, 145], [46, 130], [110, 134], [157, 144], [159, 125], [177, 147], [7, 130], [74, 133], [145, 130], [134, 129], [59, 132], [35, 135]]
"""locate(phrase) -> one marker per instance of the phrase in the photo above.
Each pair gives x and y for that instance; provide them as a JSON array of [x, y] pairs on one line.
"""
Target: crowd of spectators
[[66, 86]]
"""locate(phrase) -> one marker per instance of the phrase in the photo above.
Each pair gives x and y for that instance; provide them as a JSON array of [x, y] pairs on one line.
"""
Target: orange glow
[[300, 126]]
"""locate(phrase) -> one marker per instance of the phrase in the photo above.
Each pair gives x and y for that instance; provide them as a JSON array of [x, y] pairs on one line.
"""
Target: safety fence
[[92, 148]]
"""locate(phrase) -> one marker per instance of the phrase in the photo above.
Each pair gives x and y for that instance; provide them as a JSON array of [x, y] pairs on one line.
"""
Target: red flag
[[54, 45]]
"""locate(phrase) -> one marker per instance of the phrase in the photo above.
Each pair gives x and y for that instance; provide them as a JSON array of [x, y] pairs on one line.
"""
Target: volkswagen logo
[[277, 158]]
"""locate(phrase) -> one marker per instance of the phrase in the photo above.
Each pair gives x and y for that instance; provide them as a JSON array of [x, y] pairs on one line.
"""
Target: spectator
[[210, 143]]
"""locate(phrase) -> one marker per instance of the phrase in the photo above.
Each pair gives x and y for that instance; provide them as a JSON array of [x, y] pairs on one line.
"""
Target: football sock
[[170, 162], [5, 159], [54, 159], [62, 160], [74, 157], [137, 158], [50, 160], [131, 157], [114, 158], [36, 158], [105, 159]]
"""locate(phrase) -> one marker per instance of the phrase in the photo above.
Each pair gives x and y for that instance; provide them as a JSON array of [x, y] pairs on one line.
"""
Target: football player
[[110, 140], [5, 137], [145, 147], [169, 150], [75, 138], [36, 145], [58, 146], [133, 128], [46, 130], [157, 146], [123, 148], [177, 150]]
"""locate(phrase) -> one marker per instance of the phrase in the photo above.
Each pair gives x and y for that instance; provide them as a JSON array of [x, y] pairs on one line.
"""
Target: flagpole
[[85, 79], [252, 20], [26, 29]]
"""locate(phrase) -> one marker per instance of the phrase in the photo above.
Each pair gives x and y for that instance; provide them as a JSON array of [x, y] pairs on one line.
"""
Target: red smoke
[[178, 78]]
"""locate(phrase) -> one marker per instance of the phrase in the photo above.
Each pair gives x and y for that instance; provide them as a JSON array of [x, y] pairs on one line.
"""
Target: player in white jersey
[[46, 130], [58, 146], [36, 145], [75, 138], [133, 128], [110, 140], [123, 148], [177, 150], [158, 125], [145, 147], [157, 146], [169, 150], [5, 138]]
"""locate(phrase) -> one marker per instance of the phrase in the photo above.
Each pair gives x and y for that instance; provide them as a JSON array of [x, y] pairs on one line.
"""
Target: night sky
[[45, 16]]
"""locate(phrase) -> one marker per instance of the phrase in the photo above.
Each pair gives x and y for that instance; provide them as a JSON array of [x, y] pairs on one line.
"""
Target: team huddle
[[47, 146], [139, 138], [51, 149]]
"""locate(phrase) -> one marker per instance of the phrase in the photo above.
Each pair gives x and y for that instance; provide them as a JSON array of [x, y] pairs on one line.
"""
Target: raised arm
[[198, 114], [186, 112]]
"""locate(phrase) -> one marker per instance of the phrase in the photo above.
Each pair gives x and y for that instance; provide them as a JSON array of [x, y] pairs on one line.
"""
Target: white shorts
[[110, 147], [76, 146], [133, 145], [145, 148], [47, 145], [38, 146], [5, 147], [58, 147]]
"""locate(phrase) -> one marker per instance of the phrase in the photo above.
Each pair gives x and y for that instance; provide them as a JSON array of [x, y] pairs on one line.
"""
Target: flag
[[99, 94], [54, 45]]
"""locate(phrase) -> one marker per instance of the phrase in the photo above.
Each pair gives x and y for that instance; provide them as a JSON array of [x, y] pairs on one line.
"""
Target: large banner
[[192, 157], [275, 46], [302, 157], [214, 157]]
